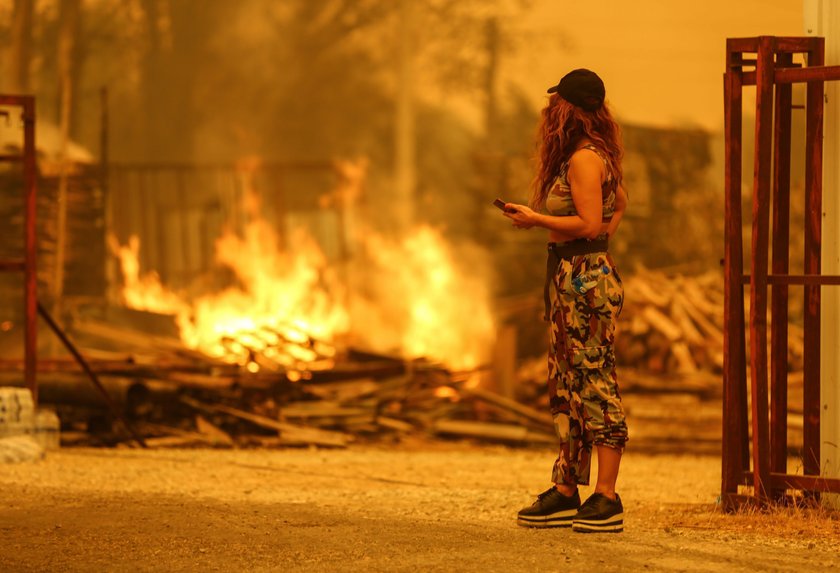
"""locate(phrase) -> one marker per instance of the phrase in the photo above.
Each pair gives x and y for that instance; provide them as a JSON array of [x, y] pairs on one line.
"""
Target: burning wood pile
[[174, 396], [271, 359]]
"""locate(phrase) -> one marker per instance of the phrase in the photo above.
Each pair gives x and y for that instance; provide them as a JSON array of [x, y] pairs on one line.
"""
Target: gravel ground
[[414, 507]]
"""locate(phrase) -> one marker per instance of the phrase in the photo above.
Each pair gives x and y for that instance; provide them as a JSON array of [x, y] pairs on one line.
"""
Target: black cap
[[582, 88]]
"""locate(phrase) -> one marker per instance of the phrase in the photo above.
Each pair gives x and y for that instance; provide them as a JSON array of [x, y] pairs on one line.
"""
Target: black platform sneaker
[[599, 514], [552, 509]]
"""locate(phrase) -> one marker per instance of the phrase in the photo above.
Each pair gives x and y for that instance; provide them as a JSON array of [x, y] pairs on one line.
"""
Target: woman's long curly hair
[[562, 127]]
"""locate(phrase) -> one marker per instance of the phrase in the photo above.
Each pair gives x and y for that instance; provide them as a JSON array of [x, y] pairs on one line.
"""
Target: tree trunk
[[20, 47], [67, 36], [152, 77]]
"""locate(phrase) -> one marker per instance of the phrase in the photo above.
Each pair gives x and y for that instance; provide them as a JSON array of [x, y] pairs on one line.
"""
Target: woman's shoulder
[[587, 148], [585, 156]]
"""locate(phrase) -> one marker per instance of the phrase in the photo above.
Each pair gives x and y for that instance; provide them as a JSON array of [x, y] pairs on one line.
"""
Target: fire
[[286, 310], [280, 314], [446, 392], [434, 306], [143, 292], [282, 297]]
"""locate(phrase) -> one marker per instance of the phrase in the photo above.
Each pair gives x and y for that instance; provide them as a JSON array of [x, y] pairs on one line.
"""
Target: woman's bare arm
[[620, 207]]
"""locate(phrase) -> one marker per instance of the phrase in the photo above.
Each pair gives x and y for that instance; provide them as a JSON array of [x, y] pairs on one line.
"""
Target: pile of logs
[[674, 324]]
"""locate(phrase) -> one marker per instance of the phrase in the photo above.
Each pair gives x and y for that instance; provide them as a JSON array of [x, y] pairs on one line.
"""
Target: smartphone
[[501, 205]]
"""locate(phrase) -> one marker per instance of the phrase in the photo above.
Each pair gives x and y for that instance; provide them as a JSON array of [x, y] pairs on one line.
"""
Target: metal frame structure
[[755, 441], [27, 264]]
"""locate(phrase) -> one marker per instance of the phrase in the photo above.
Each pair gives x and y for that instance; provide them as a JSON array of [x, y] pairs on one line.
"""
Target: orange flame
[[447, 392], [283, 298], [286, 310], [143, 292], [423, 298]]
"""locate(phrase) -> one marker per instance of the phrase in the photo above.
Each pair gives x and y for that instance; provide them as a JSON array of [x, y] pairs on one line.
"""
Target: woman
[[578, 183]]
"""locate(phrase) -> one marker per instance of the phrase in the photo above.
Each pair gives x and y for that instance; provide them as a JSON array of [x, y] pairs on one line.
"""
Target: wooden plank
[[739, 63], [806, 483], [679, 315], [321, 408], [780, 266], [682, 355], [661, 322], [811, 280], [486, 430], [813, 234], [394, 424], [759, 263], [291, 431], [177, 441], [734, 45], [643, 290], [810, 74], [698, 318], [795, 44], [197, 381], [508, 404]]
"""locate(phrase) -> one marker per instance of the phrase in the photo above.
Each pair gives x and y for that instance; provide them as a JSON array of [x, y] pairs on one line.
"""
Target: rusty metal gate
[[755, 438]]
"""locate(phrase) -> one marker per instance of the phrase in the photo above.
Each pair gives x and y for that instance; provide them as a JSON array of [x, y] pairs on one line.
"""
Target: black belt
[[560, 251]]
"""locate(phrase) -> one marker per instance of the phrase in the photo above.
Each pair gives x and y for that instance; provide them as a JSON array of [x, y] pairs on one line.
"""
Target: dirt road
[[431, 507]]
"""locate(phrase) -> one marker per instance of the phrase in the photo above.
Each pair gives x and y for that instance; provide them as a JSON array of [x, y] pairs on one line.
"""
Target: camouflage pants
[[583, 390]]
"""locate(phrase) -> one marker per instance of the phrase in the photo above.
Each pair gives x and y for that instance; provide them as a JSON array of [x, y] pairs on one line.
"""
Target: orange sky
[[661, 60]]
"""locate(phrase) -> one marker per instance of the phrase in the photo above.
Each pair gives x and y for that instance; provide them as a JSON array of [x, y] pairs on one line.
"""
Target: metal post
[[813, 223], [30, 275], [774, 69], [780, 265], [758, 271], [734, 388]]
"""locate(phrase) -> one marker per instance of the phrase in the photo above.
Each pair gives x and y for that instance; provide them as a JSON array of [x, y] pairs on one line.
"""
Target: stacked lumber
[[669, 324], [673, 323]]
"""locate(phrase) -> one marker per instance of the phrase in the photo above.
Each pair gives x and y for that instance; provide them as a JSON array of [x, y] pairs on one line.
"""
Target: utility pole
[[67, 36], [405, 177]]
